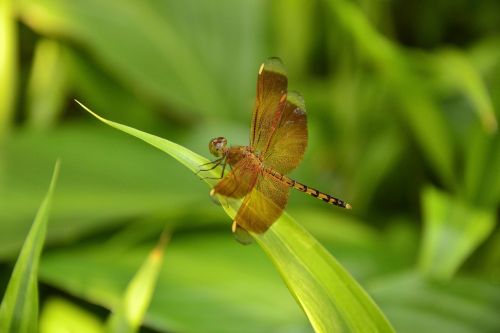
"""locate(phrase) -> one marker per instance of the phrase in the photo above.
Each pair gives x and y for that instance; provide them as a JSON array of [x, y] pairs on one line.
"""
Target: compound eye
[[221, 143], [217, 146]]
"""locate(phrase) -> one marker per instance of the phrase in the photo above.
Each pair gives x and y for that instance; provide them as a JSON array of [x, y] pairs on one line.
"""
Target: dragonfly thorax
[[217, 146]]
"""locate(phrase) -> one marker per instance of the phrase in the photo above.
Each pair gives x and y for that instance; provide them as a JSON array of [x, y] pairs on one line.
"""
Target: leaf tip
[[89, 111]]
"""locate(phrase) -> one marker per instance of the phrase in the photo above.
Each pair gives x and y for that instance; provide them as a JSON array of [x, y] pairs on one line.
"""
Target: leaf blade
[[131, 309], [453, 230], [19, 308], [289, 247], [349, 303]]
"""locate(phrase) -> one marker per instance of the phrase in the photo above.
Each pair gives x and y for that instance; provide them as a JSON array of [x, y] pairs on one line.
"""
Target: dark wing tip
[[273, 64]]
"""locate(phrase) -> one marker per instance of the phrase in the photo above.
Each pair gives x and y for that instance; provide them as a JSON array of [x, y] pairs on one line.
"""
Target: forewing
[[289, 140], [271, 87], [263, 205], [239, 181]]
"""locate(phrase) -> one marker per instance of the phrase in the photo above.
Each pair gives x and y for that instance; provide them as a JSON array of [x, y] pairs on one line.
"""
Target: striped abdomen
[[306, 189]]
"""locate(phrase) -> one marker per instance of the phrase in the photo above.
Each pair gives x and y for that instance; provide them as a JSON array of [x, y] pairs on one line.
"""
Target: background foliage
[[402, 99]]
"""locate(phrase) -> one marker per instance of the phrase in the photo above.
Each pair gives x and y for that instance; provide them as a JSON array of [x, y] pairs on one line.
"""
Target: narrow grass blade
[[19, 309], [129, 313], [332, 300]]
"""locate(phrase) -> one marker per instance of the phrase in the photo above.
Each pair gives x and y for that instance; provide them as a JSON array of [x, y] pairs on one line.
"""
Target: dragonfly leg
[[215, 163], [222, 173]]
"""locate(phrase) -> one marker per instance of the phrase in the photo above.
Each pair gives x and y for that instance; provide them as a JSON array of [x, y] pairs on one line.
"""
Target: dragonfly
[[278, 140]]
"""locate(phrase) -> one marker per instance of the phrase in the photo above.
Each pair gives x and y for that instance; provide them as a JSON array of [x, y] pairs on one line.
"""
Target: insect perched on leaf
[[278, 139]]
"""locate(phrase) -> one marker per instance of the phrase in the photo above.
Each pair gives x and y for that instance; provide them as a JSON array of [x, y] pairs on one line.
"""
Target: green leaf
[[330, 297], [47, 85], [19, 309], [462, 305], [174, 53], [452, 231], [101, 90], [128, 314], [292, 39], [8, 64], [94, 195], [373, 166], [481, 184], [457, 71], [61, 316], [420, 110], [186, 157], [224, 286]]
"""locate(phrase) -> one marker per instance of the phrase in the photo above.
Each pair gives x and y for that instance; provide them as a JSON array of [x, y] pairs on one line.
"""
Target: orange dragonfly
[[278, 139]]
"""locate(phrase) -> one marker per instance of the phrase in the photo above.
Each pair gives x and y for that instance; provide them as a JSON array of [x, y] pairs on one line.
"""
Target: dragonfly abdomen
[[308, 190]]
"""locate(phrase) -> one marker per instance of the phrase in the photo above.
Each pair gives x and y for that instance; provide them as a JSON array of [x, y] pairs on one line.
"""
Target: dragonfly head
[[217, 146]]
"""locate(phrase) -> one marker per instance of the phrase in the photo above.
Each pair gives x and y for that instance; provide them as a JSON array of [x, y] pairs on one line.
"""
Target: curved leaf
[[453, 230], [130, 310], [19, 309], [330, 297]]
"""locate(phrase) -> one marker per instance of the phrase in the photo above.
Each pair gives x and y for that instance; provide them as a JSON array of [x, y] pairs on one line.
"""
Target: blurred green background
[[402, 99]]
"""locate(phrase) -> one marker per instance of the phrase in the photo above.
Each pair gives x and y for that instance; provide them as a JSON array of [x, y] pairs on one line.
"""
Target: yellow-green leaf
[[61, 316], [19, 309], [332, 300], [453, 230], [129, 312]]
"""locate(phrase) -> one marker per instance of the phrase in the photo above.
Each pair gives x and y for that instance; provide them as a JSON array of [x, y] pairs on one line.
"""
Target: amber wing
[[271, 87], [239, 181], [268, 198], [289, 141], [263, 205], [279, 135]]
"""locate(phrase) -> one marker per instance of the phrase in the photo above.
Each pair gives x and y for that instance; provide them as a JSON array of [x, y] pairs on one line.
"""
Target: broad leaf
[[330, 297]]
